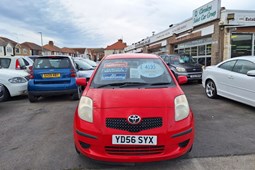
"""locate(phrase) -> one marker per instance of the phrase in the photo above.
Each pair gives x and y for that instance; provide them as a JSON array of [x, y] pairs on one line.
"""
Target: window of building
[[194, 51], [208, 49], [187, 51], [17, 51], [25, 51], [181, 51], [241, 44], [9, 49], [1, 49], [201, 50]]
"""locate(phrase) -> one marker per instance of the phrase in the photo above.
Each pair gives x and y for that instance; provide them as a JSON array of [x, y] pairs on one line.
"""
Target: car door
[[223, 78], [243, 85]]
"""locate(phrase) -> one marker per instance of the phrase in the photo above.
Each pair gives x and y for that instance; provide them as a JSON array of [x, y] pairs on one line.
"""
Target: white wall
[[1, 51]]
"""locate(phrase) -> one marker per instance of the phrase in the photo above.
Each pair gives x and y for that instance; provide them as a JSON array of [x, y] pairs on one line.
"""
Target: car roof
[[45, 56], [250, 58], [130, 55]]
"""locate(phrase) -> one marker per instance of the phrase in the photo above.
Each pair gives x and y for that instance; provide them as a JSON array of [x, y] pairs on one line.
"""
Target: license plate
[[197, 75], [52, 75], [134, 140]]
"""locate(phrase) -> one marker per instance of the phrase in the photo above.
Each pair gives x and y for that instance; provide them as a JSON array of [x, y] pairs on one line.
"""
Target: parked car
[[1, 92], [16, 62], [52, 75], [84, 69], [13, 82], [133, 110], [233, 78], [33, 57], [184, 65], [88, 61]]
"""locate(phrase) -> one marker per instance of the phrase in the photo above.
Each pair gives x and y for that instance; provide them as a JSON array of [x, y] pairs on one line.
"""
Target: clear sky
[[96, 23]]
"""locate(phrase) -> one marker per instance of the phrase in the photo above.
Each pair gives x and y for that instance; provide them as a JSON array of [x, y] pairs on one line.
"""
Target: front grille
[[134, 150], [122, 124], [194, 69]]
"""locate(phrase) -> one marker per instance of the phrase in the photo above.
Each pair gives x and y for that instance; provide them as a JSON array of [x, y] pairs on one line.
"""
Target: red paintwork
[[182, 79], [121, 103], [81, 81]]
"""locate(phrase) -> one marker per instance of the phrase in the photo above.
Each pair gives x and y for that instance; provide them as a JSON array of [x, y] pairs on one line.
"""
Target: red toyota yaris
[[133, 110]]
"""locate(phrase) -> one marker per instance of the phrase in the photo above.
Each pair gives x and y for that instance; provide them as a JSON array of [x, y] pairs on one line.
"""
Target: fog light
[[84, 145], [184, 144]]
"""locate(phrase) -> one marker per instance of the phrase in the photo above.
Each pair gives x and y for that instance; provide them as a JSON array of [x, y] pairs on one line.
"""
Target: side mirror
[[251, 73], [81, 81], [182, 79]]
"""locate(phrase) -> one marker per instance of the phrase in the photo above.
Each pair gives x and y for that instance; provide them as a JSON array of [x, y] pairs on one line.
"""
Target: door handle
[[230, 77]]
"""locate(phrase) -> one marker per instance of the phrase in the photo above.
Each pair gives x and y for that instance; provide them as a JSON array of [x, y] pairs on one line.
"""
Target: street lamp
[[41, 41]]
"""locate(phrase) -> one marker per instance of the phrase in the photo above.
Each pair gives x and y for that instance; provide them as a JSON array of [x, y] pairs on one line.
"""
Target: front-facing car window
[[132, 73]]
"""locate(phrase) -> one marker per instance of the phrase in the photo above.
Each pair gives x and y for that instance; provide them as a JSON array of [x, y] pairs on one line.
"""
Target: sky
[[96, 23]]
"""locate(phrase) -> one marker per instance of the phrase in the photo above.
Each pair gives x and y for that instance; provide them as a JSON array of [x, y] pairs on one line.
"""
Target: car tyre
[[77, 95], [6, 95], [77, 151], [210, 89], [32, 98]]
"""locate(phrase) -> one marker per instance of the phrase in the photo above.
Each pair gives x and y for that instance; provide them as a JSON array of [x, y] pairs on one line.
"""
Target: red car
[[133, 110]]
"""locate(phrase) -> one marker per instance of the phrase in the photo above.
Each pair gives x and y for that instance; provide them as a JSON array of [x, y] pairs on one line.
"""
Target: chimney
[[51, 43], [120, 40]]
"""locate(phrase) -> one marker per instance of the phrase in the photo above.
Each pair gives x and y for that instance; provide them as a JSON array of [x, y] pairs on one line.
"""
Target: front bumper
[[17, 89], [191, 76], [171, 143]]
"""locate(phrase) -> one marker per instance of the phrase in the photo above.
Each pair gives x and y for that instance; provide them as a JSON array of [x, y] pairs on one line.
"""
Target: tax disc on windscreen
[[150, 70]]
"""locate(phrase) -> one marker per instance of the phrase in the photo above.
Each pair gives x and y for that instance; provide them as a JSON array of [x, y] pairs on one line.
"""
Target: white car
[[233, 78], [84, 69], [16, 62], [14, 83]]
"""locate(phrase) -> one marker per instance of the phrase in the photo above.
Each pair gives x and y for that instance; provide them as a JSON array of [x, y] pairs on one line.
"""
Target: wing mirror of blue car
[[81, 81], [182, 79]]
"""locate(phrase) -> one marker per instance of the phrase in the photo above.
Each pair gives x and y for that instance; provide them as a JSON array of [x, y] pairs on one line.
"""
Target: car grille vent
[[193, 69], [122, 124], [134, 150]]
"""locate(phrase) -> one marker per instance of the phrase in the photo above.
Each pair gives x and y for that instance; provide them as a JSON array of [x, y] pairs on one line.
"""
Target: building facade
[[211, 35]]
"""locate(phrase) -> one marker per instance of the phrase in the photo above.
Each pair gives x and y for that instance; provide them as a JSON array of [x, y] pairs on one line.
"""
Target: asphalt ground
[[39, 135]]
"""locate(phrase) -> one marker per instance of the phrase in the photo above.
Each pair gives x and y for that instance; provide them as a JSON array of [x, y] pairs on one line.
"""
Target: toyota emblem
[[134, 119]]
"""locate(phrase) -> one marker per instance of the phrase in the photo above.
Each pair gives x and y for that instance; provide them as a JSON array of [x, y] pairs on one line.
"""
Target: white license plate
[[198, 75], [134, 140]]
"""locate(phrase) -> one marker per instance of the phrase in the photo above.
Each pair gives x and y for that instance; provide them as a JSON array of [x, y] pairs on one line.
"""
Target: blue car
[[53, 75]]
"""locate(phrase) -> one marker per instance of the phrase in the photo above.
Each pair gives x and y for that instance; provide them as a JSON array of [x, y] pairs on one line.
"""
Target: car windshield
[[182, 59], [52, 63], [140, 73], [83, 65]]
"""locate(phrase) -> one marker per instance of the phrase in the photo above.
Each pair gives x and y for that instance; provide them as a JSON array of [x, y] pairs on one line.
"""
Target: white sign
[[244, 18], [184, 26], [206, 13]]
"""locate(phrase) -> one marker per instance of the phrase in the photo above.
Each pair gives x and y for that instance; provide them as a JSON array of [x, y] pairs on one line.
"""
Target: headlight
[[181, 107], [17, 80], [85, 109], [180, 69]]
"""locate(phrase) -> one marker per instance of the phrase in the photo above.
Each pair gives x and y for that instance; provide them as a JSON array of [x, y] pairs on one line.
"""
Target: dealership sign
[[206, 13]]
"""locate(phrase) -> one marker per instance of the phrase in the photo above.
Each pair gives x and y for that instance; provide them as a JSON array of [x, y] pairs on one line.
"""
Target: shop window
[[187, 51], [208, 49], [176, 51], [181, 51], [201, 50], [208, 61], [241, 44], [193, 51], [201, 61]]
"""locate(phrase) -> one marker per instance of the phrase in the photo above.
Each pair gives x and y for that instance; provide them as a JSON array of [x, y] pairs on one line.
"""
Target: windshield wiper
[[122, 84], [162, 83]]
